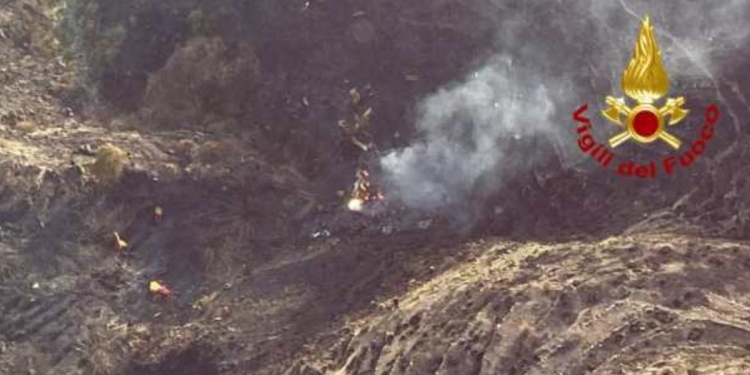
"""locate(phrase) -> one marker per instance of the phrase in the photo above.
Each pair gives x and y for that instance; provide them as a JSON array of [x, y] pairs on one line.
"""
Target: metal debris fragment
[[424, 224], [355, 96], [158, 214], [356, 127], [362, 191], [321, 233], [159, 289], [204, 301], [85, 150], [120, 244]]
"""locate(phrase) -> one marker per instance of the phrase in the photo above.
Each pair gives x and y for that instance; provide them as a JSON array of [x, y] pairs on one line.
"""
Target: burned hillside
[[351, 187]]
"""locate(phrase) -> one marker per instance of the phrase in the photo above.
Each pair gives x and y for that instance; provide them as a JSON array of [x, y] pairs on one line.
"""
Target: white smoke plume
[[462, 128], [552, 58]]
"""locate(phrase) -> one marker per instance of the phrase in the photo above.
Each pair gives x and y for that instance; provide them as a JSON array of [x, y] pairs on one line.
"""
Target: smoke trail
[[553, 58], [462, 128]]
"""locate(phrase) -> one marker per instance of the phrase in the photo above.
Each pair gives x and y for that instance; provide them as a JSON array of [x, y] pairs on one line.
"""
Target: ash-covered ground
[[219, 147]]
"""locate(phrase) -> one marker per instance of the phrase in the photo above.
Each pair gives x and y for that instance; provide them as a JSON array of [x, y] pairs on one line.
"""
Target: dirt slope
[[641, 304], [271, 275]]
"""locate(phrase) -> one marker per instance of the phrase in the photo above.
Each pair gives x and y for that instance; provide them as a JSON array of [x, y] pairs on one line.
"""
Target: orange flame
[[363, 192], [158, 288]]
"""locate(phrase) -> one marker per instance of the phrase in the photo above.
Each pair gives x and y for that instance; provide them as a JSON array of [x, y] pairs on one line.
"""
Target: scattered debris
[[158, 289], [158, 214], [424, 224], [365, 116], [120, 244], [85, 150], [357, 127], [355, 96], [203, 302], [393, 304], [362, 192], [351, 131], [321, 233]]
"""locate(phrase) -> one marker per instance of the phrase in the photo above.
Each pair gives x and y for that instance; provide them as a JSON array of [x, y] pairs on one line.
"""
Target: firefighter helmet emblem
[[645, 81]]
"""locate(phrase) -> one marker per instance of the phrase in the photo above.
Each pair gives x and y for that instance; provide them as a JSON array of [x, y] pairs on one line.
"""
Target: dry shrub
[[213, 152], [109, 165], [43, 40], [102, 360], [185, 149], [203, 80], [25, 126], [170, 171], [220, 262], [32, 25], [107, 345], [166, 340], [106, 46], [124, 123]]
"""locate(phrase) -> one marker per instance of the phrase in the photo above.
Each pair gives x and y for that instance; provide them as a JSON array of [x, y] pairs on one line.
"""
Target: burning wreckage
[[356, 130], [363, 192], [365, 195]]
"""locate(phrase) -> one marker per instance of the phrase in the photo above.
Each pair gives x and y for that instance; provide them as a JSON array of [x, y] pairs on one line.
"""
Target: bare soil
[[579, 273]]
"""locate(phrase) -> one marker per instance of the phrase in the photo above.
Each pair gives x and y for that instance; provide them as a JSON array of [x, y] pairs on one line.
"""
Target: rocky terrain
[[227, 115]]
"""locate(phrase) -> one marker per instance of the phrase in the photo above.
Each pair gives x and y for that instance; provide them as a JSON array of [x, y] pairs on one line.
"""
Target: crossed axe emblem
[[645, 122]]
